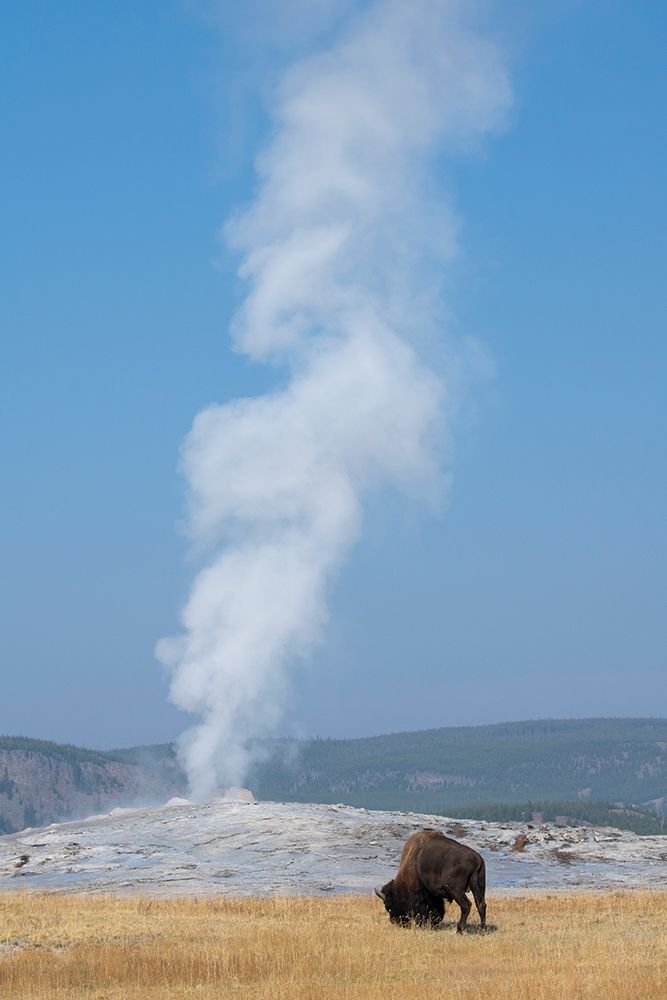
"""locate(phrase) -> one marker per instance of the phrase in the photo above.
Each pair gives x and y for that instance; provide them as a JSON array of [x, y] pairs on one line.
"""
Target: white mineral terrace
[[264, 848]]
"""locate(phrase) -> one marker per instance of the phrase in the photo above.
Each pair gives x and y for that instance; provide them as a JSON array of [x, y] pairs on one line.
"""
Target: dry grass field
[[607, 947]]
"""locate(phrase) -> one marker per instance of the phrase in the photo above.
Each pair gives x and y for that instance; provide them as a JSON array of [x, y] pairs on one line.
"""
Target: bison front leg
[[464, 904], [428, 910]]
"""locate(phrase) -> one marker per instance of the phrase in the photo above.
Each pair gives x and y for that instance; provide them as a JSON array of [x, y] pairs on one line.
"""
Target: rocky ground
[[261, 848]]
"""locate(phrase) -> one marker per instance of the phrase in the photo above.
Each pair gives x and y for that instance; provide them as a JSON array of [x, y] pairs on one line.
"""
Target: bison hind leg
[[478, 886]]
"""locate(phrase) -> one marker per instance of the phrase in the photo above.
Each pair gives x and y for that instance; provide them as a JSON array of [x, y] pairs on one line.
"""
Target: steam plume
[[341, 252]]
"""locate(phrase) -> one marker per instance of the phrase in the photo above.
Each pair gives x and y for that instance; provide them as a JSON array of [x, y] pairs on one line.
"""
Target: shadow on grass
[[450, 925]]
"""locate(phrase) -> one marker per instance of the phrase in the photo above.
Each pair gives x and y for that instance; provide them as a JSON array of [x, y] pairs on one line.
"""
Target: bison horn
[[379, 892]]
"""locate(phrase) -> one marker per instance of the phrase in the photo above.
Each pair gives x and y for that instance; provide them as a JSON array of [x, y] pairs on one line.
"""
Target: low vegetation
[[567, 814], [62, 947]]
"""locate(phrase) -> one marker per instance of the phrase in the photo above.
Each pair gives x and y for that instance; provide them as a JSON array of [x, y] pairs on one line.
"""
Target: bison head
[[395, 904], [420, 906]]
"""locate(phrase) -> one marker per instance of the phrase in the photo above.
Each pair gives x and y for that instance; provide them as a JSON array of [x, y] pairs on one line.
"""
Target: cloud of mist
[[342, 252]]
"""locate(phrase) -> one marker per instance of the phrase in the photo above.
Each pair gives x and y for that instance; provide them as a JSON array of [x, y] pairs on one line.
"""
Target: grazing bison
[[434, 868]]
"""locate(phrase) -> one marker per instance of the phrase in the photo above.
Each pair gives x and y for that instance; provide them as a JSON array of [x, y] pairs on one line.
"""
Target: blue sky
[[539, 588]]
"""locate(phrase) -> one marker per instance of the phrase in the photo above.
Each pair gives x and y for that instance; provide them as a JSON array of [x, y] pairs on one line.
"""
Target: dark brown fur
[[434, 868]]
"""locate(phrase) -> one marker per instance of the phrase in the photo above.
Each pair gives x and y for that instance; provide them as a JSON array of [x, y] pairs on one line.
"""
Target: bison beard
[[433, 868]]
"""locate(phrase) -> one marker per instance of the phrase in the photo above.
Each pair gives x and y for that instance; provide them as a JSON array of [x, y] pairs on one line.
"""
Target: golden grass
[[607, 947]]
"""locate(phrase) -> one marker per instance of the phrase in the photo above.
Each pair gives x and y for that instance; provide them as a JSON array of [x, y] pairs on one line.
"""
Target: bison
[[434, 868]]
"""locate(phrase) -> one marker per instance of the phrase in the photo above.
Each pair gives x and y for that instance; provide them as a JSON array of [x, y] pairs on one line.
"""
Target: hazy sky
[[538, 588]]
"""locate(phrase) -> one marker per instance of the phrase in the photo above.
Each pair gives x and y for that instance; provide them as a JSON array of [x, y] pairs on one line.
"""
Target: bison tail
[[478, 885]]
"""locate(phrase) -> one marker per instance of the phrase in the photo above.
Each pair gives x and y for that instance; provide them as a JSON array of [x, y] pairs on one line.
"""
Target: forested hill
[[434, 771], [42, 782]]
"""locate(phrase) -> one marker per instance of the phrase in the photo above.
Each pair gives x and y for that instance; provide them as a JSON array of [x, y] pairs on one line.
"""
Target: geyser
[[342, 252]]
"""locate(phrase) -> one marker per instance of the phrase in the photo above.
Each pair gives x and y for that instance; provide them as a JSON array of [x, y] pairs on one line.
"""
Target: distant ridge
[[435, 770], [42, 782]]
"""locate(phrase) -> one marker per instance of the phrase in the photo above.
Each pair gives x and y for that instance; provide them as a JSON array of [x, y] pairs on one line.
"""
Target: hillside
[[613, 760], [436, 771], [41, 782]]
